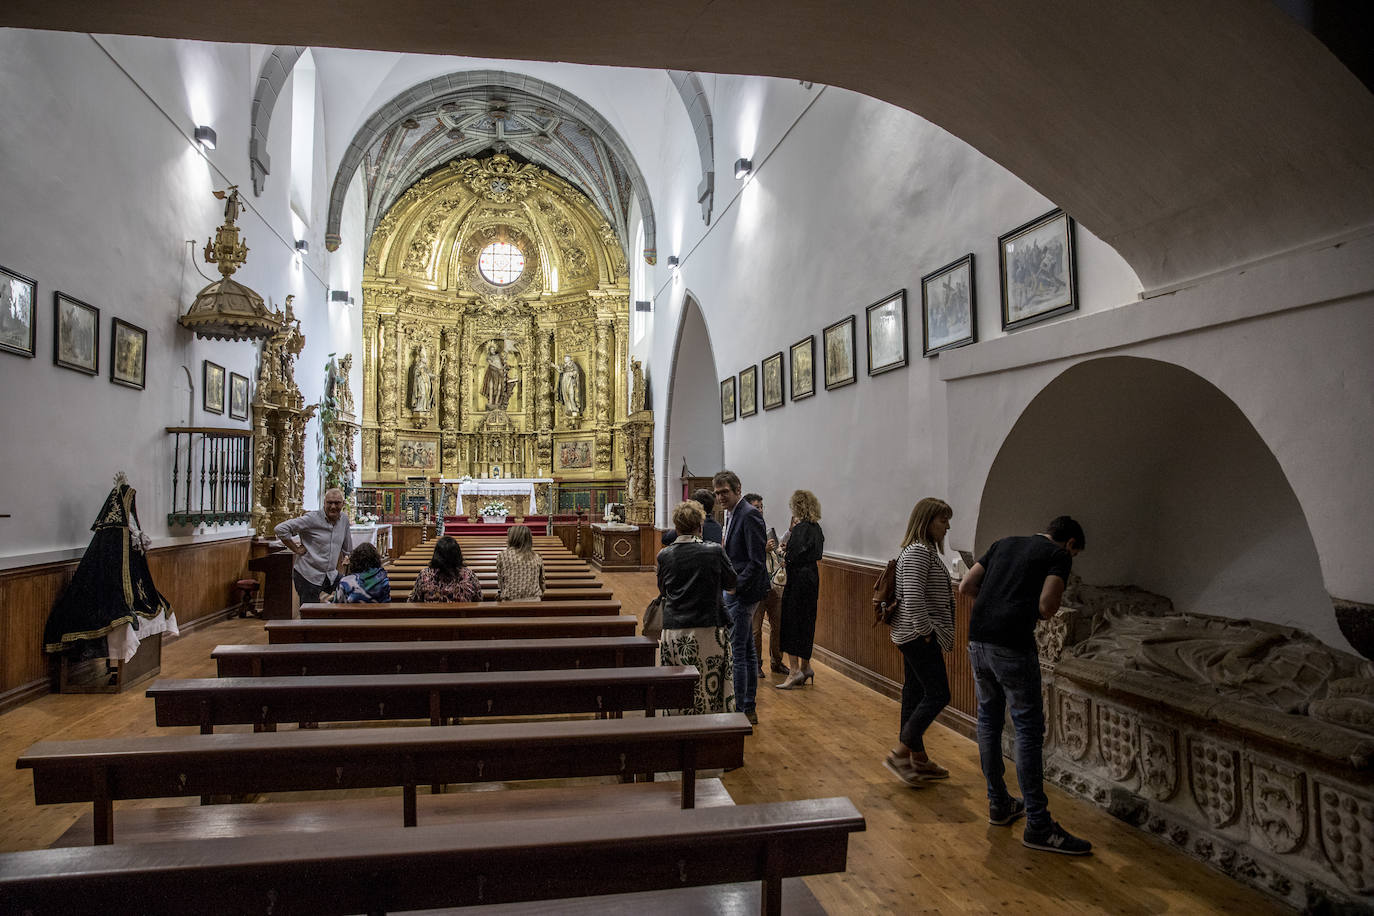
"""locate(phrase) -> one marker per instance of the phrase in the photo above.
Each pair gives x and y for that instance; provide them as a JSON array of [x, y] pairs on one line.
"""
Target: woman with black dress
[[805, 545]]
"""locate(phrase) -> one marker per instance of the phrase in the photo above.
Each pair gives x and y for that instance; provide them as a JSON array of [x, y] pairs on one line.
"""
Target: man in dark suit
[[745, 537]]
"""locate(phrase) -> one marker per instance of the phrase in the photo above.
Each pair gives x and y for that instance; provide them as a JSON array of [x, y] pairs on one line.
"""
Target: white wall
[[102, 186], [692, 420]]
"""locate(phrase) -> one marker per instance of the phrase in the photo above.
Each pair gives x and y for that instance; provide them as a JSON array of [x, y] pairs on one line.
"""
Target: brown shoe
[[929, 769], [902, 769]]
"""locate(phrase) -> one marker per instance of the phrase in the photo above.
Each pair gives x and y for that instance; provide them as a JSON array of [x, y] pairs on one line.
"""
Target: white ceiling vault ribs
[[699, 110], [491, 109]]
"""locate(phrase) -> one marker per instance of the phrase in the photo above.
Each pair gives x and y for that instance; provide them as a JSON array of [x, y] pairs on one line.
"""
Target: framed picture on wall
[[212, 381], [128, 354], [804, 368], [949, 314], [1039, 279], [727, 400], [238, 396], [886, 326], [772, 381], [75, 334], [18, 323], [837, 342], [749, 391]]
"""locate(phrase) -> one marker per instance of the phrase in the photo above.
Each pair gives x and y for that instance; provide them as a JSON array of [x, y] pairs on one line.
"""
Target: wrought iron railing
[[212, 475]]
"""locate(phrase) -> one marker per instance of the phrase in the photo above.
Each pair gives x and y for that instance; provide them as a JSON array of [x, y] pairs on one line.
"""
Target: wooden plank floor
[[925, 851]]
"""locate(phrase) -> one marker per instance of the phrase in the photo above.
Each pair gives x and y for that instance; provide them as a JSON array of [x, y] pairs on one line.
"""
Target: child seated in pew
[[446, 579], [366, 582], [519, 570]]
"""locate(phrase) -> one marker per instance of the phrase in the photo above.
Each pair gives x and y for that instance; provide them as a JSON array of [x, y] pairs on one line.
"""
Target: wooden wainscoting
[[404, 537], [197, 579], [847, 640]]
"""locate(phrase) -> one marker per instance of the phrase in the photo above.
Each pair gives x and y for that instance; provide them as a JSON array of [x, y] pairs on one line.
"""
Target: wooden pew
[[402, 593], [445, 866], [422, 628], [549, 607], [433, 657], [104, 771], [265, 702]]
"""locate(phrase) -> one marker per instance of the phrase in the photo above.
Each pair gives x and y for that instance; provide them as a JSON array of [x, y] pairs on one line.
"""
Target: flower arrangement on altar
[[365, 518], [495, 510], [466, 478]]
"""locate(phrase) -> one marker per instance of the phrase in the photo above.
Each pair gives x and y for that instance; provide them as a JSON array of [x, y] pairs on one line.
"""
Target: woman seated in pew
[[366, 582], [446, 579], [519, 570], [691, 575]]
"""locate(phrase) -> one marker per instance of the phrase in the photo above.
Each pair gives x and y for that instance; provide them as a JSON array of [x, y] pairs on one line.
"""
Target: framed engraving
[[1039, 279], [18, 323], [749, 391], [804, 368], [128, 354], [727, 400], [212, 381], [75, 334], [838, 350], [772, 381], [238, 396], [886, 325], [949, 316]]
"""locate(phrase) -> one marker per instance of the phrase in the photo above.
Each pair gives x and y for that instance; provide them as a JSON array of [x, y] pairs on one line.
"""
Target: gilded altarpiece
[[495, 331]]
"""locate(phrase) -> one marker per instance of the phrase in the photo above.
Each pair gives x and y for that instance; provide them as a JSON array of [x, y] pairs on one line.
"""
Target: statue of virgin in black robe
[[112, 585]]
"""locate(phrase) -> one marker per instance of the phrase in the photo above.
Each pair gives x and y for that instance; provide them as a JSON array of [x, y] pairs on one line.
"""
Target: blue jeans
[[746, 656], [1007, 677]]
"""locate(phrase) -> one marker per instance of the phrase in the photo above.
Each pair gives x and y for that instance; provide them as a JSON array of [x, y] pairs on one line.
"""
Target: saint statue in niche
[[421, 382], [570, 386], [501, 376]]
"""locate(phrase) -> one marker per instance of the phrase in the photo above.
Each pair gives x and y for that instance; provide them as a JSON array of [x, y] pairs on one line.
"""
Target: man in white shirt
[[321, 542]]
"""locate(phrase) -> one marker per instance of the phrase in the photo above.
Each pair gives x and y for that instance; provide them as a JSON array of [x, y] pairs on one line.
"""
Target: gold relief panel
[[415, 453]]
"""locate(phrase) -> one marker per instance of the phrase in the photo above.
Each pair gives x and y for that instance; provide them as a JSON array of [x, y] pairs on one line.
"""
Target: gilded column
[[621, 370], [603, 393], [448, 381], [386, 395], [466, 347]]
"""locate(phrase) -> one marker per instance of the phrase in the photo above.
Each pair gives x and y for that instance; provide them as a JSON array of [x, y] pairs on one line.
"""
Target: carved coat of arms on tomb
[[1116, 741], [1278, 804], [1345, 823], [1213, 769], [1075, 724], [1158, 760]]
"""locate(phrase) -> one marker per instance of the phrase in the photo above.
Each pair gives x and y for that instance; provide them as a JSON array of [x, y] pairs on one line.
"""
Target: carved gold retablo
[[226, 309]]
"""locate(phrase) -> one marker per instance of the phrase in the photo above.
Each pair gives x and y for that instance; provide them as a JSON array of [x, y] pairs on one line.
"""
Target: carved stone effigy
[[1247, 745]]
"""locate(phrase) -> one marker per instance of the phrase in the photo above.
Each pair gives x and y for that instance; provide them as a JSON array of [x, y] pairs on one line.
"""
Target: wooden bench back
[[443, 866], [265, 702], [424, 657], [103, 771], [572, 607], [409, 629]]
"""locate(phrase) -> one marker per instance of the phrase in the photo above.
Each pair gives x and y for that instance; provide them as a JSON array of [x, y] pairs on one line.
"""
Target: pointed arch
[[692, 432]]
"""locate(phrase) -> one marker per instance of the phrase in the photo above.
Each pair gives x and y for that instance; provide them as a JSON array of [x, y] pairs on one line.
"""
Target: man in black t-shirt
[[1016, 584]]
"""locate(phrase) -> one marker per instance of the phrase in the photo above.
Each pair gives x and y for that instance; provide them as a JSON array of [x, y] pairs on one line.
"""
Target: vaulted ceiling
[[1192, 137]]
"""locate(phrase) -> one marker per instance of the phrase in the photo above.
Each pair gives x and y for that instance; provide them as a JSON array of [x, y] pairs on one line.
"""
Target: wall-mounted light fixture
[[673, 262], [643, 305], [340, 295], [302, 246], [743, 167], [206, 137]]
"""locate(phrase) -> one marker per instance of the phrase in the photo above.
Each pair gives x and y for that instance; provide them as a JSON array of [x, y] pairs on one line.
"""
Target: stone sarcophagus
[[1248, 745]]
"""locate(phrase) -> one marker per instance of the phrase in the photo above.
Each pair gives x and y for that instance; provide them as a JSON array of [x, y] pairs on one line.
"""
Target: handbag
[[777, 569], [885, 595], [653, 618]]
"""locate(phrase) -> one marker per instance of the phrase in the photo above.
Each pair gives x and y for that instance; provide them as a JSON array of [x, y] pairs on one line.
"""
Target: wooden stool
[[247, 589]]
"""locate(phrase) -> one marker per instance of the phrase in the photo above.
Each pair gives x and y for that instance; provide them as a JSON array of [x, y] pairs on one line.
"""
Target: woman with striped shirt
[[923, 629]]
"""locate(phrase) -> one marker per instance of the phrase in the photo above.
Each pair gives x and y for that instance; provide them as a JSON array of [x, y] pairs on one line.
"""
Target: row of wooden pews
[[679, 846]]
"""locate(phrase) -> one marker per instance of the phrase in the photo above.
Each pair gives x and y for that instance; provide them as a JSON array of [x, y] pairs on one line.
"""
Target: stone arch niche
[[1177, 493], [428, 307], [693, 432]]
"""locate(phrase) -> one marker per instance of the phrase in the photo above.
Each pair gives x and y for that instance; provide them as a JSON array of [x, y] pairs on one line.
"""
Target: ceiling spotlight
[[743, 167], [673, 262], [302, 246], [205, 136]]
